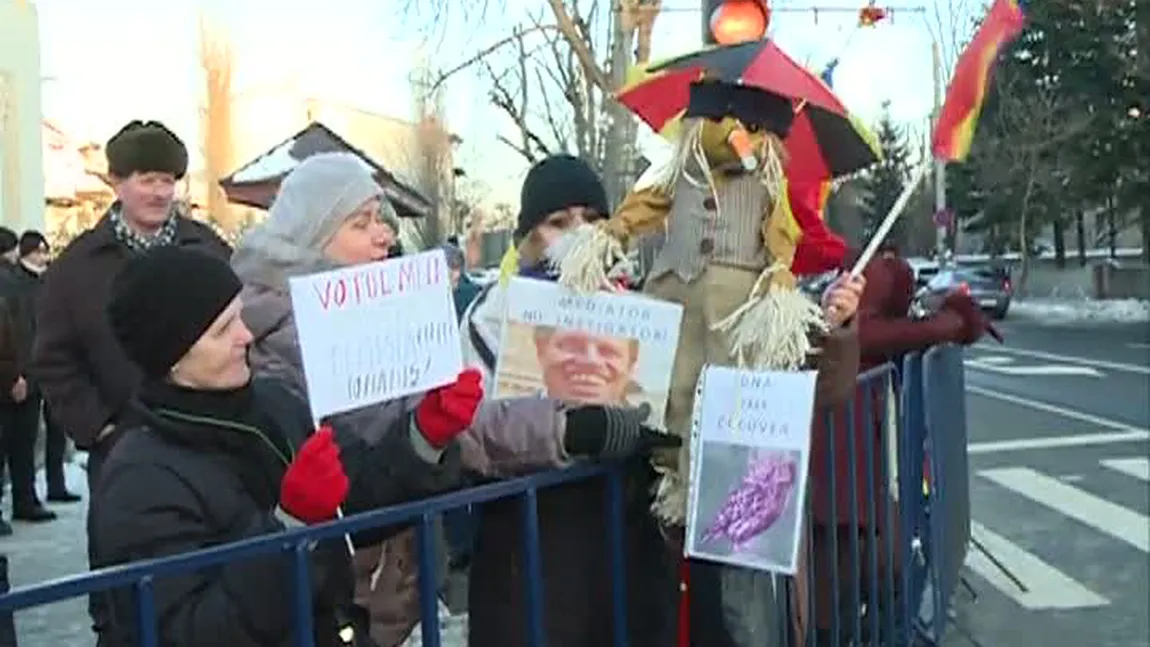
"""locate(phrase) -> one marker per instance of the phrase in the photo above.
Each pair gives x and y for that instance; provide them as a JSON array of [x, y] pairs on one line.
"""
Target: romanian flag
[[954, 131]]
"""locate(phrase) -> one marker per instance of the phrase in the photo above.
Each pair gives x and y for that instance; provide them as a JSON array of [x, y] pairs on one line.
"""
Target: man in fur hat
[[727, 255], [85, 376]]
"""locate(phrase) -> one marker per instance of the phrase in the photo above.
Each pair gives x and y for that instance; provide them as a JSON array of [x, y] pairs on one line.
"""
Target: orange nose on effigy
[[740, 142]]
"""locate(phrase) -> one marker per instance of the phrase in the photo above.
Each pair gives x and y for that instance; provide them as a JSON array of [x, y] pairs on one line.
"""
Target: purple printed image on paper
[[757, 503]]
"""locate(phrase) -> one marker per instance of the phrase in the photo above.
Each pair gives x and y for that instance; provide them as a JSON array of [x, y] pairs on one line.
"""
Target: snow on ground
[[1071, 311]]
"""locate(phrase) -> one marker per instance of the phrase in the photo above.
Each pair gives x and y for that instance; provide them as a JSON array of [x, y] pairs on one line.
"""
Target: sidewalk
[[40, 552]]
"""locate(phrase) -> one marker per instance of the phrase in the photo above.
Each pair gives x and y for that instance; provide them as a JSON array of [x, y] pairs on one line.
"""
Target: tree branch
[[579, 47], [487, 51]]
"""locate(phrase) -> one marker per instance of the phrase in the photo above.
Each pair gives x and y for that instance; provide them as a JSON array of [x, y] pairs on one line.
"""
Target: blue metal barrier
[[867, 568]]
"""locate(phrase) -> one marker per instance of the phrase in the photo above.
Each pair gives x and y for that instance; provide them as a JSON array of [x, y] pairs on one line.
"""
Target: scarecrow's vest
[[722, 229]]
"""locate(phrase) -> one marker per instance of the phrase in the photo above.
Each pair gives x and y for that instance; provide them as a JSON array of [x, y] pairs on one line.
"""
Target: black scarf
[[229, 423]]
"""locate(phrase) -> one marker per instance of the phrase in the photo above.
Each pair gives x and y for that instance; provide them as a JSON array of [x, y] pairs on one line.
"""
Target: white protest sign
[[376, 332], [750, 447], [597, 348]]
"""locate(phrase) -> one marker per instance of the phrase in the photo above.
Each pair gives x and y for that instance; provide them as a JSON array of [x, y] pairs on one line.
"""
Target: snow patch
[[1065, 311]]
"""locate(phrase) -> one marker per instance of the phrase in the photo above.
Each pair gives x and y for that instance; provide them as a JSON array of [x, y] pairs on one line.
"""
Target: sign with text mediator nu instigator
[[376, 332]]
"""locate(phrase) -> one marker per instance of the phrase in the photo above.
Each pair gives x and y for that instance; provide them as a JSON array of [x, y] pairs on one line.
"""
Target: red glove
[[974, 323], [445, 412], [315, 484]]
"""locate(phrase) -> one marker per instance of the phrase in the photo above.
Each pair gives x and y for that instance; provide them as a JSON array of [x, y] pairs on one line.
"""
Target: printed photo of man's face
[[582, 367]]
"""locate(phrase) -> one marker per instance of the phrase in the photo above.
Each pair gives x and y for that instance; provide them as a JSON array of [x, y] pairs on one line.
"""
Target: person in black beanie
[[559, 194], [85, 376], [208, 455]]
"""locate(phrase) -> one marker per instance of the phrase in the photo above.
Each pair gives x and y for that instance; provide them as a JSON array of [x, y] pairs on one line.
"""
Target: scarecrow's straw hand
[[583, 256]]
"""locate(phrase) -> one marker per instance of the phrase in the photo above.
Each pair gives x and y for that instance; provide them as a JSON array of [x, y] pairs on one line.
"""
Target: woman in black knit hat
[[559, 194], [209, 456]]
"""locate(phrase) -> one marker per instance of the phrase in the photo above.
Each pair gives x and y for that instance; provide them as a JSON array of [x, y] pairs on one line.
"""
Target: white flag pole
[[891, 218]]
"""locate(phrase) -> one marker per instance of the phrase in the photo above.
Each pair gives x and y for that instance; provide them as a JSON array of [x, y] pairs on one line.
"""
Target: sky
[[107, 62]]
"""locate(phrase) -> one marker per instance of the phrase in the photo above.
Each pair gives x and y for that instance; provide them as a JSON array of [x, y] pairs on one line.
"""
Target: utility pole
[[942, 217]]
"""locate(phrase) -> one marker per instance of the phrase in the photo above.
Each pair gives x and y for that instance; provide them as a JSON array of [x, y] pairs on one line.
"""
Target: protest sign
[[599, 348], [376, 332], [750, 443]]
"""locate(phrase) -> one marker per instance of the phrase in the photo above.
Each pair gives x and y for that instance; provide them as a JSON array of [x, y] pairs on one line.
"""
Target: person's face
[[146, 198], [218, 360], [362, 238], [558, 223], [38, 257], [12, 255], [585, 368], [389, 235], [455, 274]]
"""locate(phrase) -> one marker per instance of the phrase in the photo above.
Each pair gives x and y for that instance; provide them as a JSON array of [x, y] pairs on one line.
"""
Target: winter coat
[[386, 573], [76, 359], [886, 332], [192, 470], [22, 287], [576, 568]]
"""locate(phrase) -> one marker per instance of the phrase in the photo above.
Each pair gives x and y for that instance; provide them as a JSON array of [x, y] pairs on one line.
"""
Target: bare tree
[[431, 165], [1027, 157], [217, 63], [950, 23], [560, 94], [558, 86]]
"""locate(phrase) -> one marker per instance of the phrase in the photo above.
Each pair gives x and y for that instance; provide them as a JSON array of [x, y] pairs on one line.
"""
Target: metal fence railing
[[882, 549]]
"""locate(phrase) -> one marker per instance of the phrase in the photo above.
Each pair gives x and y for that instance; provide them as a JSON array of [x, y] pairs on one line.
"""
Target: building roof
[[255, 183]]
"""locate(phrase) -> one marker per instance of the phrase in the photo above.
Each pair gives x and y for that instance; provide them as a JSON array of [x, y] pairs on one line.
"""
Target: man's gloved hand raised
[[446, 412], [613, 432], [973, 324], [315, 483]]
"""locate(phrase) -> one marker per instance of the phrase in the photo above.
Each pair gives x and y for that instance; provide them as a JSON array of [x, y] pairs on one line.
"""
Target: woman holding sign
[[559, 194], [331, 213], [211, 456]]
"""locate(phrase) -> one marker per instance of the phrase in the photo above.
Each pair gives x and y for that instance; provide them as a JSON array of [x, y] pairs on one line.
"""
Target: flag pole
[[942, 224], [891, 217]]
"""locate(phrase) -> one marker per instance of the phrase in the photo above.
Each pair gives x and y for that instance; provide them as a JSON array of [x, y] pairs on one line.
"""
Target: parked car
[[989, 286]]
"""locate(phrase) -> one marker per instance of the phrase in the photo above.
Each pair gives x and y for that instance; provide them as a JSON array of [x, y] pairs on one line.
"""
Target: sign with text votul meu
[[750, 443], [376, 332], [600, 348]]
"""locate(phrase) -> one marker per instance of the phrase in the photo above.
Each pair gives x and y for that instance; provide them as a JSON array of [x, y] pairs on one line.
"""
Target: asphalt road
[[1059, 425]]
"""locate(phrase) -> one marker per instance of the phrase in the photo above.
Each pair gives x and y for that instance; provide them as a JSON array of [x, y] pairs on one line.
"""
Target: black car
[[989, 286]]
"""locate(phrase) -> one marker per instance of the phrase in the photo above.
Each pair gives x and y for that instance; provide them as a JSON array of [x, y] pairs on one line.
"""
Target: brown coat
[[86, 377]]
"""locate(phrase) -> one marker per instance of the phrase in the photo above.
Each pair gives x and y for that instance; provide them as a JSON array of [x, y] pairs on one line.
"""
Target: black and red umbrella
[[824, 140]]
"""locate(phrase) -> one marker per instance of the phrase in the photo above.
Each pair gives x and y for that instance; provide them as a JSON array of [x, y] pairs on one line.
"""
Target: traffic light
[[870, 14], [726, 22]]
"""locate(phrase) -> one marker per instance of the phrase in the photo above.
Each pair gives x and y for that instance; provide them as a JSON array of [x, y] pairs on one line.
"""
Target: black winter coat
[[194, 470]]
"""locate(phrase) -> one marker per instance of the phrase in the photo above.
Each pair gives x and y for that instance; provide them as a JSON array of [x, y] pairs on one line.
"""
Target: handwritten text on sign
[[376, 332], [762, 409]]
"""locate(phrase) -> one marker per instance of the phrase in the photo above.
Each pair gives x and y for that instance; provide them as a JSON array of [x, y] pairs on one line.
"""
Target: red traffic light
[[739, 21]]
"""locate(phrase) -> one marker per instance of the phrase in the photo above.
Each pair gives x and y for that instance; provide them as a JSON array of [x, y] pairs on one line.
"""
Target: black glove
[[613, 432]]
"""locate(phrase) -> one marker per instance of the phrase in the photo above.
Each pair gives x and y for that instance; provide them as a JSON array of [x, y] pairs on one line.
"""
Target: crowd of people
[[173, 361]]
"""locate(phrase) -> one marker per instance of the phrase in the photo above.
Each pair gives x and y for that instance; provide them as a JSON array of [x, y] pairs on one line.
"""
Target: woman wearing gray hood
[[331, 213]]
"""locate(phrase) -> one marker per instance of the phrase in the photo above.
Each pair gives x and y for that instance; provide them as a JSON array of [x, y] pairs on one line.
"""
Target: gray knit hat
[[313, 201]]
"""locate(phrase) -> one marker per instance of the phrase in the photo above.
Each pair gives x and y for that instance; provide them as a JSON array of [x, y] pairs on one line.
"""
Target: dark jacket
[[191, 470], [464, 294], [84, 374], [20, 292]]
